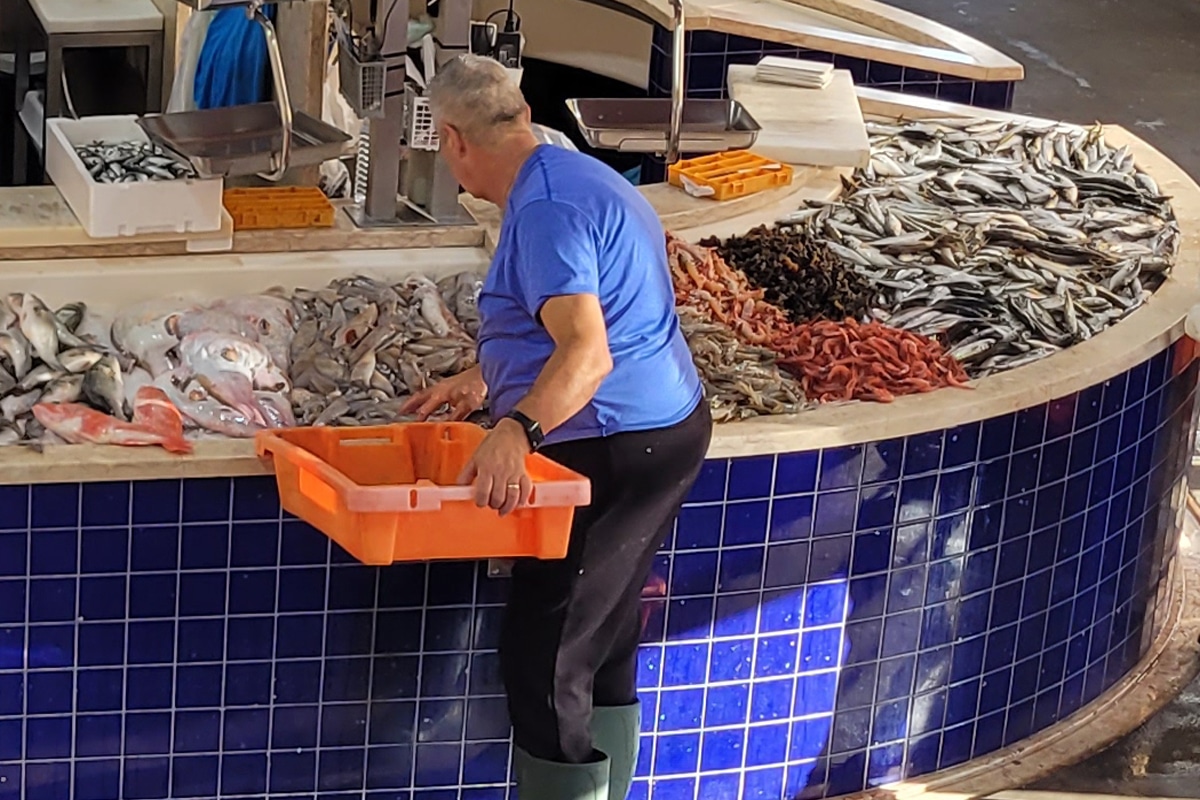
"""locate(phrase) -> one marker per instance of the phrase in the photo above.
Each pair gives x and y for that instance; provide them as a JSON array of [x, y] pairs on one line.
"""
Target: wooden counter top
[[1144, 333]]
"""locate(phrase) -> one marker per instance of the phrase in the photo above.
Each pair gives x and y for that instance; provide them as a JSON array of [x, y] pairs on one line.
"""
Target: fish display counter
[[939, 543]]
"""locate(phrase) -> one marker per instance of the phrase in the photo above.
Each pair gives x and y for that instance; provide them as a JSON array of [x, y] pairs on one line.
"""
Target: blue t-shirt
[[574, 226]]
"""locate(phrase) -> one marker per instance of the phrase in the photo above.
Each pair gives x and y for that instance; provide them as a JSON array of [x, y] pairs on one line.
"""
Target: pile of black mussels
[[799, 273]]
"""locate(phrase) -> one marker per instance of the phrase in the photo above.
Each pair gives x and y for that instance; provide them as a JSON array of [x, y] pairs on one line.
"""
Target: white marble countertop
[[97, 16]]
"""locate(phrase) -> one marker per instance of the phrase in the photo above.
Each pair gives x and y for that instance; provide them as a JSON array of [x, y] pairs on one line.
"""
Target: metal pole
[[678, 86], [282, 99]]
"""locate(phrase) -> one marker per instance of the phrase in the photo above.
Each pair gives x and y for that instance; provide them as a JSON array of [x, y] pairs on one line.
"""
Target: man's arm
[[580, 362]]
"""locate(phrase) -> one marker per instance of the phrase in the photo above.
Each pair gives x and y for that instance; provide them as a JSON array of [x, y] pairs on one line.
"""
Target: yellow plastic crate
[[282, 207], [735, 173]]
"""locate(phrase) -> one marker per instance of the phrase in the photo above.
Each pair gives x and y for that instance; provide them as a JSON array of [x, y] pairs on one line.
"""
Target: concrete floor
[[1134, 63]]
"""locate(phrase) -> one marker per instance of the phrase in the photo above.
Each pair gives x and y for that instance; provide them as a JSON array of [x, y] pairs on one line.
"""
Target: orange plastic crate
[[735, 173], [388, 494], [282, 207]]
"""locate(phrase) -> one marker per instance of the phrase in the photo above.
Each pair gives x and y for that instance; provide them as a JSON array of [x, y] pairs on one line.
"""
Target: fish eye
[[229, 354]]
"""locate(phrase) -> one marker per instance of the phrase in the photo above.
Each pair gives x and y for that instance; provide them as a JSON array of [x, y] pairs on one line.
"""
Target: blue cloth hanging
[[233, 65]]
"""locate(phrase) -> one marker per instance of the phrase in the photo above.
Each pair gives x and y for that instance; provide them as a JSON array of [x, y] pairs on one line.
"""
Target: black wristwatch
[[533, 430]]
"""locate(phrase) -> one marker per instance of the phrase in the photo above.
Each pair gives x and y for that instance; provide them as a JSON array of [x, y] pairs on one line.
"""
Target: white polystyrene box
[[106, 210]]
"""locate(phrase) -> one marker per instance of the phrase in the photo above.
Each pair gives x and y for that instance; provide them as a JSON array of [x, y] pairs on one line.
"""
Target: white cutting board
[[818, 127]]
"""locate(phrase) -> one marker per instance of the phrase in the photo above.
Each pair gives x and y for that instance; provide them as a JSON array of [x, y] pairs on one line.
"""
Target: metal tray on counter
[[244, 140], [642, 125]]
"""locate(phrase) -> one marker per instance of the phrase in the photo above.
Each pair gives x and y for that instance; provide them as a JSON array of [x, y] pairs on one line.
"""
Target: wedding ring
[[514, 487]]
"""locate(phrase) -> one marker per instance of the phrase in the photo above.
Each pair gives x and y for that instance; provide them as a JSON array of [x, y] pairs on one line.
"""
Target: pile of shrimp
[[834, 361], [722, 294], [856, 361]]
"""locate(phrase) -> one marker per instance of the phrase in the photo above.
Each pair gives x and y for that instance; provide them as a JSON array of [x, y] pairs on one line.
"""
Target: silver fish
[[103, 387], [40, 327]]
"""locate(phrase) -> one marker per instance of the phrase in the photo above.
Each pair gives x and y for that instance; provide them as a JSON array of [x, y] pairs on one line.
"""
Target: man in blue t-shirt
[[581, 357]]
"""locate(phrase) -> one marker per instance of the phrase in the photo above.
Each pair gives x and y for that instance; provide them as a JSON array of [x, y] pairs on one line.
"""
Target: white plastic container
[[107, 210]]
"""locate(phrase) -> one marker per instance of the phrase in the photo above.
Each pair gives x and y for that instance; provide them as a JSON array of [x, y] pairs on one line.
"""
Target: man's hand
[[465, 393], [497, 470]]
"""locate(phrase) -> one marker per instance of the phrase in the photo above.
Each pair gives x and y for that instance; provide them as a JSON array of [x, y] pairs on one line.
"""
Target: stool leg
[[154, 76], [20, 136], [55, 99]]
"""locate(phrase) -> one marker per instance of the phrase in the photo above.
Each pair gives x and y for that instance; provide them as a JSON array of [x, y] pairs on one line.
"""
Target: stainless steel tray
[[642, 125], [244, 140]]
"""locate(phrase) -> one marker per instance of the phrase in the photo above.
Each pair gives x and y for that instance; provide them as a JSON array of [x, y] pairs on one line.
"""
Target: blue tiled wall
[[709, 54], [820, 622]]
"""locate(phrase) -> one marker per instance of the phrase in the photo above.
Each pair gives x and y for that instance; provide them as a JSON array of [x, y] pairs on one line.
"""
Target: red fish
[[79, 424], [152, 409]]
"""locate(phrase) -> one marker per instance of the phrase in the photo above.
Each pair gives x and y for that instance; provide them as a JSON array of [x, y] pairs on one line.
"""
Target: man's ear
[[452, 137]]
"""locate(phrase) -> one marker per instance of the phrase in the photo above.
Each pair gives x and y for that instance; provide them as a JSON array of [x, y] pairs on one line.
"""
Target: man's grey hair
[[477, 96]]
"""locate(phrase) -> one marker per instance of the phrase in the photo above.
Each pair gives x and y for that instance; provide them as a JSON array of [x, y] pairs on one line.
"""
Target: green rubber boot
[[548, 780], [615, 731]]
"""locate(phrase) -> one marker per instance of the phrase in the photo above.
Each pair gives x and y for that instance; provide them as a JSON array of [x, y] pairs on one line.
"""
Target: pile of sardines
[[1008, 241], [131, 162]]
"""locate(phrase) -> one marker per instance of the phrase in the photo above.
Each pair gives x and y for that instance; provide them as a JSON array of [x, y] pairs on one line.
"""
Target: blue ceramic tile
[[685, 664], [54, 506], [923, 453], [252, 591], [882, 461], [247, 684], [933, 668], [52, 553], [690, 618], [105, 504], [147, 733], [155, 502], [46, 781], [787, 565], [149, 688], [722, 750], [877, 507], [202, 594], [346, 634], [101, 644], [710, 485], [830, 558], [868, 597], [771, 700], [201, 640], [791, 518], [155, 548], [954, 490], [195, 776], [104, 550], [750, 478], [681, 709], [996, 437], [836, 512], [302, 589], [50, 600], [746, 523], [244, 773], [872, 552], [254, 544], [152, 596], [699, 527], [796, 473], [198, 686], [198, 731], [726, 705], [98, 735], [206, 499], [694, 573], [741, 569], [450, 584], [100, 689], [841, 468], [916, 499], [49, 692], [250, 638], [14, 508]]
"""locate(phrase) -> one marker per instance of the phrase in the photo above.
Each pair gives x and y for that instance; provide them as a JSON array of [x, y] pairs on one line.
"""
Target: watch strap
[[533, 430]]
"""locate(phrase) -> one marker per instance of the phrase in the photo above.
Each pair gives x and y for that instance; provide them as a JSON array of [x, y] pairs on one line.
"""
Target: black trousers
[[572, 627]]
